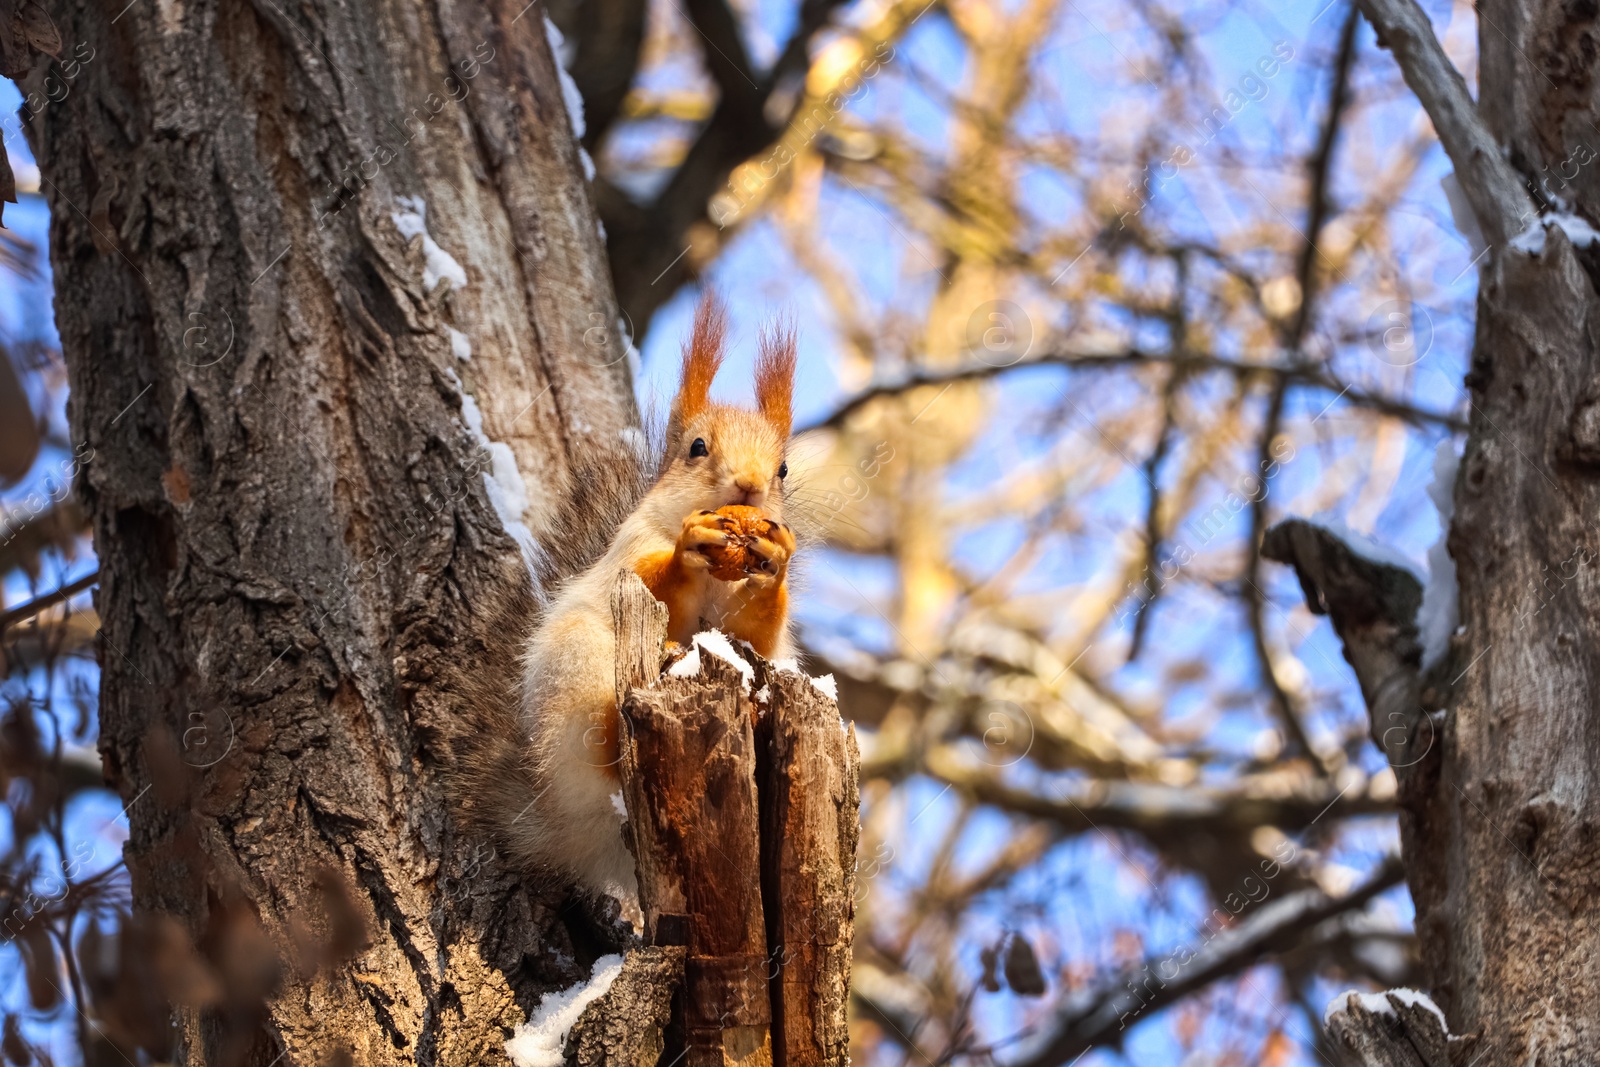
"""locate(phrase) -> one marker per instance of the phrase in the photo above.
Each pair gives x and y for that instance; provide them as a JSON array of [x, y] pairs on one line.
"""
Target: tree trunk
[[1511, 825], [303, 535], [1500, 765]]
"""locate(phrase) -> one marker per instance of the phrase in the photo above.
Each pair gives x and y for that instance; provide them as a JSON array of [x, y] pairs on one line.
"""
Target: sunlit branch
[[1310, 377], [1487, 179], [1100, 1016]]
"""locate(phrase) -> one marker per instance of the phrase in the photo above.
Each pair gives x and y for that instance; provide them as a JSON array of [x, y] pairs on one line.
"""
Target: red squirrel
[[558, 808]]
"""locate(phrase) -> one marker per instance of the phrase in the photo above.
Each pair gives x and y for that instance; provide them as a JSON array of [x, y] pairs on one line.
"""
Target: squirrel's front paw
[[703, 532], [768, 556]]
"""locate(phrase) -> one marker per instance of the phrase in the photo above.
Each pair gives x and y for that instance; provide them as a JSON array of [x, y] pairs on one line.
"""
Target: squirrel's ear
[[702, 355], [775, 376]]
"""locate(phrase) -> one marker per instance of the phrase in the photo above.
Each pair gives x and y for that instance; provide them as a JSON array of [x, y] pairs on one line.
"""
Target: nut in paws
[[756, 545]]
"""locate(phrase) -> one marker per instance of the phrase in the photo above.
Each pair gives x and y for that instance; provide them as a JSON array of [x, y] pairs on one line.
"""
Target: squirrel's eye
[[783, 469], [698, 448]]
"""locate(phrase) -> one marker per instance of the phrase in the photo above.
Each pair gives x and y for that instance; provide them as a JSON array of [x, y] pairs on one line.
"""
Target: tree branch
[[1164, 812], [1304, 376], [27, 611], [1373, 607], [654, 248], [725, 57], [1293, 336], [1101, 1016], [1498, 198]]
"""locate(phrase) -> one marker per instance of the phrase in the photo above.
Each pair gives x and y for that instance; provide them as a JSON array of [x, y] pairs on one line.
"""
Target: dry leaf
[[1022, 968], [19, 430]]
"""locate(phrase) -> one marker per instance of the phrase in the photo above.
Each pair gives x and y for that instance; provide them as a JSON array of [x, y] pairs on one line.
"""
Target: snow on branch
[[1395, 1028], [1374, 606]]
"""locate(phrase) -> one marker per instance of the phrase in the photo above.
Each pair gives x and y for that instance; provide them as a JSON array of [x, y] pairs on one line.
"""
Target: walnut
[[743, 525]]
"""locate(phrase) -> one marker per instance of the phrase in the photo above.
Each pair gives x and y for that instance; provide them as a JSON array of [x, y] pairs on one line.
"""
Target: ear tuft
[[775, 375], [702, 355]]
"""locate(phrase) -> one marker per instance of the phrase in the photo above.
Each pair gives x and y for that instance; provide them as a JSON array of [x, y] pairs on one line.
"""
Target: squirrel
[[552, 796]]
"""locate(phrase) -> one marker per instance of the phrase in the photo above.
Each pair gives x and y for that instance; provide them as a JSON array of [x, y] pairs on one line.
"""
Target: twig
[[1178, 323], [49, 600]]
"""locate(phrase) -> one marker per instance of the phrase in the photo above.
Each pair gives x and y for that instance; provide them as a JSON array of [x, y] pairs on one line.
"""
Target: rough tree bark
[[300, 548], [1500, 789]]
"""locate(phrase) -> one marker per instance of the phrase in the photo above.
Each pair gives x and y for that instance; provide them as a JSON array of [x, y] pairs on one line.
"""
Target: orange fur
[[775, 376], [702, 356], [670, 582], [763, 618]]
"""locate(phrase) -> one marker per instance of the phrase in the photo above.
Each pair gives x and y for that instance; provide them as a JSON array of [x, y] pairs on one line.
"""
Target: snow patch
[[569, 88], [1367, 548], [460, 343], [1578, 231], [588, 166], [687, 667], [541, 1041], [617, 803], [827, 685], [412, 221], [764, 694], [1378, 1003], [507, 492], [1439, 614], [716, 642]]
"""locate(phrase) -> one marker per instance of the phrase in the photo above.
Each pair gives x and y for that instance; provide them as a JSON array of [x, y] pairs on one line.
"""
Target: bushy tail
[[608, 481], [492, 780]]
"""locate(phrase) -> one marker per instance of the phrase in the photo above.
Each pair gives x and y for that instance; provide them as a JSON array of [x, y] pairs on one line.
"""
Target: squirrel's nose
[[752, 487]]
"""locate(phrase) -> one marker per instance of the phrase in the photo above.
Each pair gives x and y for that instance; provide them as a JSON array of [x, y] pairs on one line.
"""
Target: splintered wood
[[742, 815], [809, 826]]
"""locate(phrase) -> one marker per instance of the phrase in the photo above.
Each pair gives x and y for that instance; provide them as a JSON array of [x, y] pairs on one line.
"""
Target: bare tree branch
[[1189, 363], [1491, 185], [649, 245], [1374, 609], [27, 611], [1293, 337], [1165, 812], [1101, 1016]]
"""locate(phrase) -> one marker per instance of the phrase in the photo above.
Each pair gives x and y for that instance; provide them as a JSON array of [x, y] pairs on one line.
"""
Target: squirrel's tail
[[490, 766], [608, 481], [492, 778]]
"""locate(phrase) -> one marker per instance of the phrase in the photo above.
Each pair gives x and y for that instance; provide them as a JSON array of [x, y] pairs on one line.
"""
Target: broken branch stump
[[741, 787], [1395, 1028], [810, 797]]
